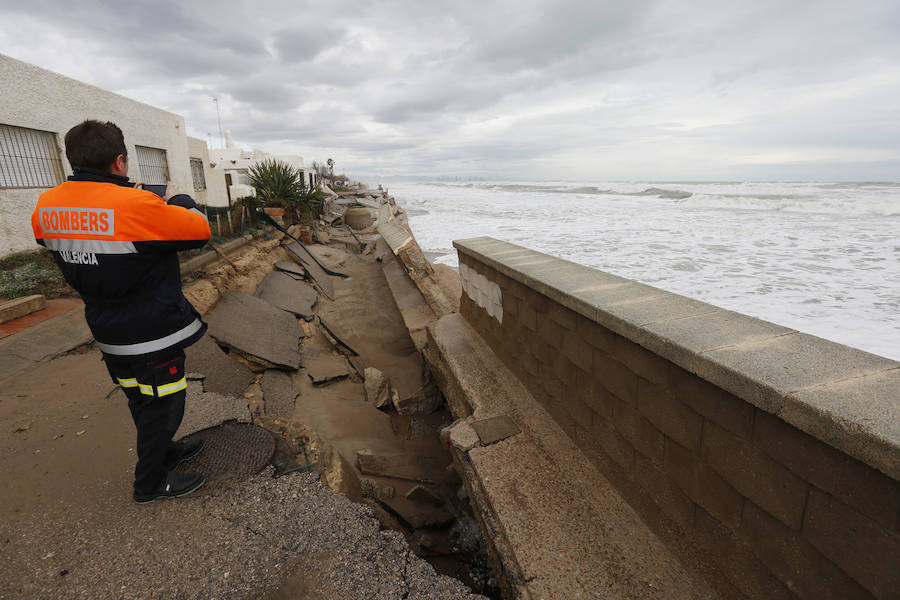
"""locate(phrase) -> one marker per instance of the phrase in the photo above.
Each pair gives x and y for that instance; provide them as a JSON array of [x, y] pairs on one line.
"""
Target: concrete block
[[714, 403], [803, 568], [682, 340], [669, 415], [494, 429], [703, 485], [577, 350], [849, 480], [665, 494], [746, 572], [656, 306], [766, 371], [596, 335], [550, 331], [614, 376], [613, 444], [648, 365], [564, 369], [398, 466], [527, 316], [378, 390], [639, 432], [865, 551], [859, 416], [755, 475], [19, 307], [562, 315]]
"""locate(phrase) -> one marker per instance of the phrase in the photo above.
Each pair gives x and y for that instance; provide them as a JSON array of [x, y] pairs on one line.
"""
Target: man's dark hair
[[95, 145]]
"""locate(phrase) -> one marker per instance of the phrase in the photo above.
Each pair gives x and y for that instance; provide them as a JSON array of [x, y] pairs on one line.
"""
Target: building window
[[29, 158], [154, 168], [197, 174]]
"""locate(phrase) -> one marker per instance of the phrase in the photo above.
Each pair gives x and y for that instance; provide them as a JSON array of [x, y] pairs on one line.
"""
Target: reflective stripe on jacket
[[117, 246]]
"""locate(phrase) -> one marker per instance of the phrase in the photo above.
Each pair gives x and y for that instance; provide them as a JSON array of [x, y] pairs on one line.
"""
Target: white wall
[[215, 194], [39, 99]]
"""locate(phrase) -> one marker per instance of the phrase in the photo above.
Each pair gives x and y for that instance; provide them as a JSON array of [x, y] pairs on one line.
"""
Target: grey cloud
[[305, 43]]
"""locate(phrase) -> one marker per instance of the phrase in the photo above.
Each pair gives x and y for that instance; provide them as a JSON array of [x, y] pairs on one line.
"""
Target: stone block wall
[[779, 465]]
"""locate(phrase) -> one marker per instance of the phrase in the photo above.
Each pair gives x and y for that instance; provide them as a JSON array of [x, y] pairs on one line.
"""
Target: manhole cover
[[231, 451]]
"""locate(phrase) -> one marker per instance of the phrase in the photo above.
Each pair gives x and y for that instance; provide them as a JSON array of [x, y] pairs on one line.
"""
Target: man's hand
[[171, 190]]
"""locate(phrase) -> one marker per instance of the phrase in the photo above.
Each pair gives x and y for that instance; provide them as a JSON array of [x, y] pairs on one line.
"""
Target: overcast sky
[[527, 89]]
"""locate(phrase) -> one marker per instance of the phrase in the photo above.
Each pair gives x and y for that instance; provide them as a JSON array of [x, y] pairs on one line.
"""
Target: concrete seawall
[[773, 453]]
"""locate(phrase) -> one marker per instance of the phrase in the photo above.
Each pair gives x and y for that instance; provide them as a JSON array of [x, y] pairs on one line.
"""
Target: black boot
[[174, 485], [182, 451]]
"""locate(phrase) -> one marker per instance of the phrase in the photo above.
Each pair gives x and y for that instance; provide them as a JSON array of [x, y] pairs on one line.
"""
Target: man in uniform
[[117, 245]]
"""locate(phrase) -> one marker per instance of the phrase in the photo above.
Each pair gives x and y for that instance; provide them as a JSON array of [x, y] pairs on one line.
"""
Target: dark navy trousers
[[156, 391]]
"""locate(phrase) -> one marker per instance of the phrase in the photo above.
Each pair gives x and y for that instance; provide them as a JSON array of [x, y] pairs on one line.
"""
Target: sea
[[822, 258]]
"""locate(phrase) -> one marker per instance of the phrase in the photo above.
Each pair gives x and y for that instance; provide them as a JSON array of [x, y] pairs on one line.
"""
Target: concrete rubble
[[378, 388], [279, 393], [220, 373], [348, 396], [283, 291], [263, 333]]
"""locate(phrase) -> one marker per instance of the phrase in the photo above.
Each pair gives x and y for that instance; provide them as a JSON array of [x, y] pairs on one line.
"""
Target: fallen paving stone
[[220, 373], [339, 338], [418, 515], [325, 371], [291, 268], [279, 393], [285, 292], [398, 466], [421, 404], [495, 429], [257, 329], [376, 489], [314, 270], [420, 493], [358, 366], [461, 435], [203, 410], [378, 389], [321, 364]]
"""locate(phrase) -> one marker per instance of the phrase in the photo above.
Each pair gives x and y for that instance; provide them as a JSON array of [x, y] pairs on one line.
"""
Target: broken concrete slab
[[460, 435], [264, 333], [495, 429], [321, 364], [322, 372], [315, 271], [424, 403], [208, 409], [279, 393], [19, 307], [285, 292], [397, 466], [376, 489], [378, 389], [358, 365], [337, 337], [220, 374], [423, 495], [291, 268]]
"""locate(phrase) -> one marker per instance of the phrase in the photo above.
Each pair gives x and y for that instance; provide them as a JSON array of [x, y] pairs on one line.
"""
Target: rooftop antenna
[[219, 116]]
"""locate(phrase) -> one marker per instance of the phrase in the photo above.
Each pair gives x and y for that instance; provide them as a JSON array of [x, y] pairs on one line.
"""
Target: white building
[[233, 166], [38, 107]]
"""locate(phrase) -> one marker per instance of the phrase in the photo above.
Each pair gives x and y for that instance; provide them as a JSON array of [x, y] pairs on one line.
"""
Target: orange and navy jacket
[[117, 246]]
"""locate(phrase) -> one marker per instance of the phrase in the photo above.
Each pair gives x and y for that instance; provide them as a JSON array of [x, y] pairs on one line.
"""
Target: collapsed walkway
[[70, 529]]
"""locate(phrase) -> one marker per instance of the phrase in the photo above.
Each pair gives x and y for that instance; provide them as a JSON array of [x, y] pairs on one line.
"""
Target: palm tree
[[278, 183]]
